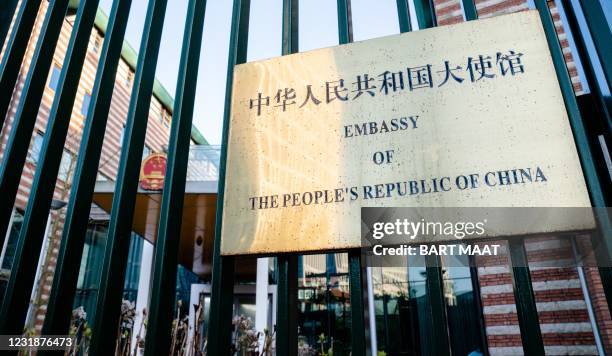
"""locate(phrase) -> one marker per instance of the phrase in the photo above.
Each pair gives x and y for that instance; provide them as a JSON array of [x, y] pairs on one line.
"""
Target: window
[[36, 147], [65, 166], [146, 151], [55, 76], [121, 136], [165, 118], [128, 78], [86, 102], [96, 45], [12, 238]]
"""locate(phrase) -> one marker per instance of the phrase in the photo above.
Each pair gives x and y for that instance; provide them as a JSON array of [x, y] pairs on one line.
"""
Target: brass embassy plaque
[[469, 115]]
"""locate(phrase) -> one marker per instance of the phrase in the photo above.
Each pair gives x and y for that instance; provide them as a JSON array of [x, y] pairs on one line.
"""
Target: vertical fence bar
[[345, 25], [7, 11], [57, 318], [167, 243], [358, 326], [600, 32], [425, 13], [596, 193], [27, 111], [286, 315], [119, 231], [13, 56], [222, 289], [526, 310], [587, 62], [358, 345], [403, 15], [434, 282], [469, 9], [437, 322], [15, 305], [287, 307]]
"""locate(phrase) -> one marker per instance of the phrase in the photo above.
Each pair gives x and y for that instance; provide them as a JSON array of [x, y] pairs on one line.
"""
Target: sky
[[317, 29]]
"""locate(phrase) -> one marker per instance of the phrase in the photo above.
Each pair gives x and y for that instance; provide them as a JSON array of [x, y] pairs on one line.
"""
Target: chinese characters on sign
[[420, 77]]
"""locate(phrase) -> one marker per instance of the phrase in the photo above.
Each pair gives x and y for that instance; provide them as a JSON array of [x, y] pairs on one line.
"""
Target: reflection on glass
[[463, 312], [324, 304], [8, 253], [401, 305], [90, 270]]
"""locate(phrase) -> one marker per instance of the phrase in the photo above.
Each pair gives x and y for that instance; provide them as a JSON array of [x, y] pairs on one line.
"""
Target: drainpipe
[[587, 298]]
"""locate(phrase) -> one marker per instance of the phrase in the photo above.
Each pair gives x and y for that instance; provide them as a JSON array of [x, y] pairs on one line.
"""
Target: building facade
[[480, 304]]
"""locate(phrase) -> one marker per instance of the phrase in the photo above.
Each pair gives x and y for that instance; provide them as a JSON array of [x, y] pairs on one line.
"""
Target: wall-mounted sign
[[153, 171], [469, 115]]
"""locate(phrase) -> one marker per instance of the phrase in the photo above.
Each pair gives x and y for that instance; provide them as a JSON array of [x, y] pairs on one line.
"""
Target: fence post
[[13, 55], [600, 32], [596, 193], [526, 309], [57, 318], [222, 290], [161, 305], [7, 11], [116, 251], [16, 301], [21, 130], [286, 323]]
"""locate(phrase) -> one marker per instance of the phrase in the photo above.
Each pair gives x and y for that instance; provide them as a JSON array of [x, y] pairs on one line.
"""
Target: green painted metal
[[12, 59], [403, 15], [345, 25], [526, 310], [580, 135], [358, 344], [287, 305], [16, 301], [290, 27], [21, 131], [425, 13], [57, 318], [221, 301], [469, 9], [600, 32], [436, 307], [7, 11], [587, 62], [594, 184], [286, 316], [124, 198], [161, 310], [358, 325]]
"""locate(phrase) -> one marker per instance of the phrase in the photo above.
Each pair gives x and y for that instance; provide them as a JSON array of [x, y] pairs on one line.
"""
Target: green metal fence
[[15, 303]]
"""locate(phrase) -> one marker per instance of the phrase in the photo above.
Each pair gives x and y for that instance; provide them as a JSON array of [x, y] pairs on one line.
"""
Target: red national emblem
[[152, 172]]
